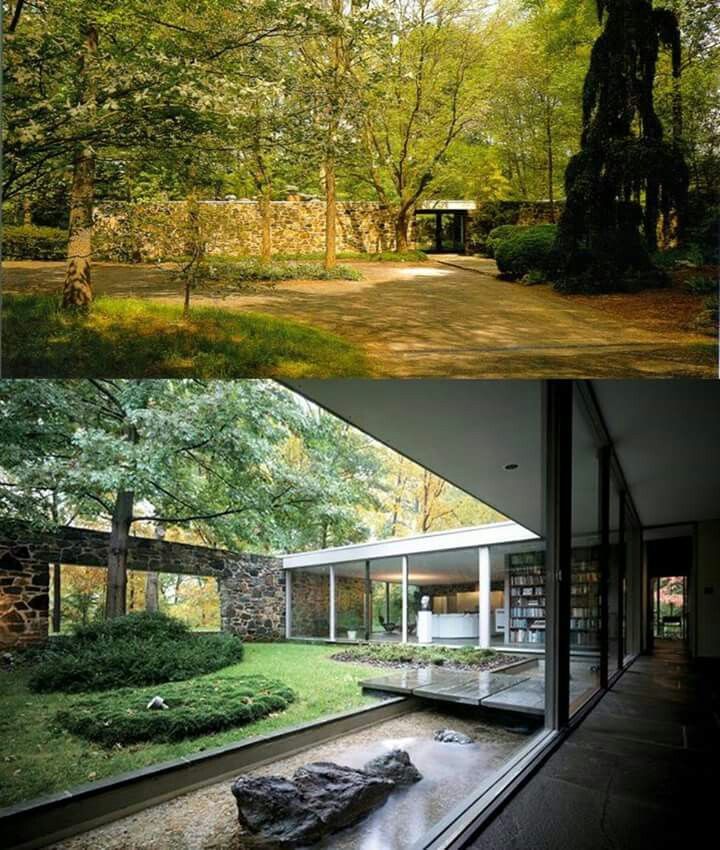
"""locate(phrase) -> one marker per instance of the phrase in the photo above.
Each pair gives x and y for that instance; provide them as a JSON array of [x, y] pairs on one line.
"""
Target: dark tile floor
[[642, 770]]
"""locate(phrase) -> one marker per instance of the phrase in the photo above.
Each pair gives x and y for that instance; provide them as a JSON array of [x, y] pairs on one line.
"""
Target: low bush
[[138, 649], [399, 257], [29, 242], [197, 707], [528, 249], [701, 285], [393, 654], [238, 272], [500, 234], [690, 254]]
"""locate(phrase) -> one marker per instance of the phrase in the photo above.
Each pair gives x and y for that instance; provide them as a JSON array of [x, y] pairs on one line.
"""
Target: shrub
[[232, 272], [28, 242], [139, 649], [500, 234], [527, 249], [701, 285], [399, 257], [409, 654], [672, 257], [197, 707]]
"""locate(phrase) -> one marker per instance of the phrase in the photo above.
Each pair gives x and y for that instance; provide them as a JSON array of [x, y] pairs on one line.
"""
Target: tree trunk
[[401, 231], [330, 213], [115, 601], [550, 166], [57, 598], [265, 225], [77, 290], [27, 211], [152, 592]]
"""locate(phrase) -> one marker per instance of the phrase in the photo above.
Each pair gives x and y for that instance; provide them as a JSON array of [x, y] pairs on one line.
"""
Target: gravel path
[[207, 819]]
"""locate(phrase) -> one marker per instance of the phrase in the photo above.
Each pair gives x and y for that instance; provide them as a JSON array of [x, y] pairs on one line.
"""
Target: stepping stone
[[527, 697], [468, 688]]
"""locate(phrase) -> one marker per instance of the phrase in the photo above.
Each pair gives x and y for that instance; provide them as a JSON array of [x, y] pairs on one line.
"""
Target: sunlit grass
[[37, 758], [129, 337]]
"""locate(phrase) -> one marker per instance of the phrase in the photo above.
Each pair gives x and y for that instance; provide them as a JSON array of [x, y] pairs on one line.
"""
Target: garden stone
[[395, 765], [157, 703], [321, 798], [450, 736]]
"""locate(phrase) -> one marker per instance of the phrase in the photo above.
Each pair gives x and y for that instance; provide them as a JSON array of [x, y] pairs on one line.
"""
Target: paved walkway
[[640, 771], [448, 318]]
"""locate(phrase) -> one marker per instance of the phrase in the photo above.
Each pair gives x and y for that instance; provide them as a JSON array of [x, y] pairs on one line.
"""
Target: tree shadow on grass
[[138, 339]]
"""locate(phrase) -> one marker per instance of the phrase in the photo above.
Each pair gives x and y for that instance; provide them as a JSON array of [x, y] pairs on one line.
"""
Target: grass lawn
[[37, 758], [131, 338]]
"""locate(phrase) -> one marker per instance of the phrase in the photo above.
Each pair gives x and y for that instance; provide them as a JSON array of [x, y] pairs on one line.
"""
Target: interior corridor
[[640, 771]]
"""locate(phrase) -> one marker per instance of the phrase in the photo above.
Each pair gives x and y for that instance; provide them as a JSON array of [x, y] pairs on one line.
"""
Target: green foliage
[[129, 337], [196, 707], [399, 257], [701, 284], [500, 234], [527, 249], [671, 257], [380, 653], [138, 649], [28, 242], [231, 272]]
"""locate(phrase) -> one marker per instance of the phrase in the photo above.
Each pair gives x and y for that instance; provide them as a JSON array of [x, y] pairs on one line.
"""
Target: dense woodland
[[245, 465], [391, 100]]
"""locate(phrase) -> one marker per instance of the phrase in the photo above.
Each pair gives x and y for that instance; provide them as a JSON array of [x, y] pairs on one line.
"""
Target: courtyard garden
[[51, 739]]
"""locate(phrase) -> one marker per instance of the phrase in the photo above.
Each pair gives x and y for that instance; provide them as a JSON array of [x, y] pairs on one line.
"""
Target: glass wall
[[616, 578], [634, 582], [386, 600], [310, 602], [350, 601], [585, 600]]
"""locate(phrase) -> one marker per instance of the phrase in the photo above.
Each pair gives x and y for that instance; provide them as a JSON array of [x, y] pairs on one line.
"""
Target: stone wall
[[310, 594], [129, 232], [252, 587], [349, 604]]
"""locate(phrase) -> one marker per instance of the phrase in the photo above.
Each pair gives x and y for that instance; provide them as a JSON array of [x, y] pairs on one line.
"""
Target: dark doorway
[[438, 232]]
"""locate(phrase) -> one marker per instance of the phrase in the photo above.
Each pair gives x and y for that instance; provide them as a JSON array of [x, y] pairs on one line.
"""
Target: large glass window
[[585, 598], [350, 601], [615, 578], [310, 602]]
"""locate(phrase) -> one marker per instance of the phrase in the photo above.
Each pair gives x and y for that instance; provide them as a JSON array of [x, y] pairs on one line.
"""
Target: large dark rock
[[450, 736], [395, 765], [321, 798]]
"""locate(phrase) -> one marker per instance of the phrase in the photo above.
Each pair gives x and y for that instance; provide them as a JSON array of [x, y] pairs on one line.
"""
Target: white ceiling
[[667, 436]]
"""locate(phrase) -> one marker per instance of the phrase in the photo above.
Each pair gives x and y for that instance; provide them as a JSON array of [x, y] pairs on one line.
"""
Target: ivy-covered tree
[[626, 176]]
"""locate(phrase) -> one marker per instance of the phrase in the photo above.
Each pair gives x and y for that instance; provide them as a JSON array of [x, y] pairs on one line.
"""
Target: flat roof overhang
[[492, 534]]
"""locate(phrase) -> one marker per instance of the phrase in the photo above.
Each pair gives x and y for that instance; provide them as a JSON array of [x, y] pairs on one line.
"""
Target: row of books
[[522, 580], [590, 624], [527, 624], [531, 611], [527, 636]]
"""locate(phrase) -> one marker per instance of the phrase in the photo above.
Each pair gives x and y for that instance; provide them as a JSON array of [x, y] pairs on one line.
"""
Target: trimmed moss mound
[[196, 707]]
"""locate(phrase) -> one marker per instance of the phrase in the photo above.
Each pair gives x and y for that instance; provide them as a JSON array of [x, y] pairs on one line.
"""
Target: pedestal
[[424, 626]]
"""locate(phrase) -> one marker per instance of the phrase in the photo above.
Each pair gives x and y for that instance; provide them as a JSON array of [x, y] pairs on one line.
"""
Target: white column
[[484, 597], [404, 598], [332, 602], [288, 604]]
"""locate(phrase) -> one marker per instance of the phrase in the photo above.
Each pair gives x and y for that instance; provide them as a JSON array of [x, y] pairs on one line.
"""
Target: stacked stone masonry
[[127, 232], [252, 588]]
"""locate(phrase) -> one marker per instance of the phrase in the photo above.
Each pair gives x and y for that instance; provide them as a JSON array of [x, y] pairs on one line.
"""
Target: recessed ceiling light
[[510, 466]]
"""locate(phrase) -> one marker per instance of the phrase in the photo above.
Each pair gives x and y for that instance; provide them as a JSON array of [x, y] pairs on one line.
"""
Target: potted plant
[[352, 624]]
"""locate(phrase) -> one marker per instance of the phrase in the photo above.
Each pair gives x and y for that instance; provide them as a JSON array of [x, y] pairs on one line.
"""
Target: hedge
[[525, 250], [138, 649], [499, 234], [28, 242], [197, 707]]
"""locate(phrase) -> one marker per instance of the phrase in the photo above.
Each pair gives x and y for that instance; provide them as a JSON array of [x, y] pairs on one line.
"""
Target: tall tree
[[625, 175]]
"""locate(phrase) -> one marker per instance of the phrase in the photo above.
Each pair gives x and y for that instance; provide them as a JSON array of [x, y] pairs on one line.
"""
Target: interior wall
[[707, 589]]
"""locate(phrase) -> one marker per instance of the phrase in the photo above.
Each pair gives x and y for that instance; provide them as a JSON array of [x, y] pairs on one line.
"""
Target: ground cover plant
[[36, 759], [132, 338], [196, 707], [138, 649], [396, 655], [238, 270]]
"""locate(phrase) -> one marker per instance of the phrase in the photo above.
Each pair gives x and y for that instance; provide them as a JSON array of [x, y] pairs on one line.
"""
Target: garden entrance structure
[[441, 226], [252, 595]]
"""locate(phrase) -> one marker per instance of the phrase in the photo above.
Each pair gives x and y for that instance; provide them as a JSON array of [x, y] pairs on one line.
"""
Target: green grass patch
[[197, 707], [239, 271], [36, 758], [408, 654], [132, 338], [138, 649]]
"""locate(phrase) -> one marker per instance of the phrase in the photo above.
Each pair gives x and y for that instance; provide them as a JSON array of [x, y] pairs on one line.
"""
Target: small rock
[[395, 765], [157, 703], [450, 736]]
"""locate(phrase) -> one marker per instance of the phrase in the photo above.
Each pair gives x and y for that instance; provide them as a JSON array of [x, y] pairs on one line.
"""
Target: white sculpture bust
[[425, 603]]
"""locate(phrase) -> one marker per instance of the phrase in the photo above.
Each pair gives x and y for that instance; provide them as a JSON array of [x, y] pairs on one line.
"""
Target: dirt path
[[438, 319]]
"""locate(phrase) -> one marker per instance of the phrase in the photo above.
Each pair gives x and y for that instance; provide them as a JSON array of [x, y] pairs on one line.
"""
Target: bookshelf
[[526, 588]]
